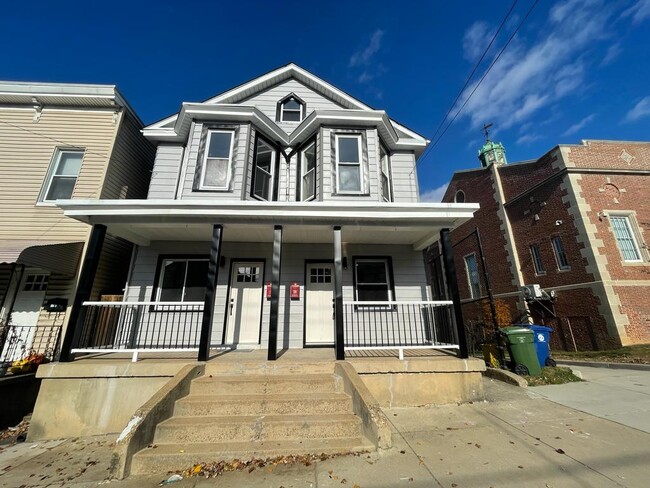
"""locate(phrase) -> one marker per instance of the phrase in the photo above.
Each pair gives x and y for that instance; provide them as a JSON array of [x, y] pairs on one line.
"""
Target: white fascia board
[[57, 89]]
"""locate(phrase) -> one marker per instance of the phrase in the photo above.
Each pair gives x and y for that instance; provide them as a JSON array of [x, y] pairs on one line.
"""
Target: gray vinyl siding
[[267, 101], [239, 163], [405, 180], [166, 169], [129, 168], [408, 273]]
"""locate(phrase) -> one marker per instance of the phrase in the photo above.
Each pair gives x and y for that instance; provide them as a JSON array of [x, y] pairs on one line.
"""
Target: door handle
[[232, 305], [333, 309]]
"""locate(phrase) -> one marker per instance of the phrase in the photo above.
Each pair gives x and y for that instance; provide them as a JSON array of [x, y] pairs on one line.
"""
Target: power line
[[512, 36]]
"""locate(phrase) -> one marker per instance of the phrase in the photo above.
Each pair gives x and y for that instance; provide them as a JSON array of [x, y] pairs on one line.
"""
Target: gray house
[[299, 204]]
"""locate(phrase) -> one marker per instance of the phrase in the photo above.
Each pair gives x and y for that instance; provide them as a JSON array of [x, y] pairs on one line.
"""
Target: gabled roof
[[272, 78]]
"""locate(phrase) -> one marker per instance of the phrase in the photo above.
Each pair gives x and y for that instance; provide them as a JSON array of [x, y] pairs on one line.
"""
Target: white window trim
[[303, 173], [469, 277], [556, 254], [338, 163], [56, 160], [387, 174], [632, 228], [389, 283], [282, 110], [274, 155], [202, 185], [161, 278], [539, 254]]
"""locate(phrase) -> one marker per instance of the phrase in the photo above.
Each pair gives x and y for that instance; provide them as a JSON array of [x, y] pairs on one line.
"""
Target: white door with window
[[244, 307], [24, 315], [319, 304]]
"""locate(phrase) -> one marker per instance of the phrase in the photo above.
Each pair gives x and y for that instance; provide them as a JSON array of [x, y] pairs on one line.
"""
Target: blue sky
[[577, 68]]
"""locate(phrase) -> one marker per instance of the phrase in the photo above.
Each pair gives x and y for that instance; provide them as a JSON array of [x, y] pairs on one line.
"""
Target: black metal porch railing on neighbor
[[399, 325], [139, 326], [21, 340]]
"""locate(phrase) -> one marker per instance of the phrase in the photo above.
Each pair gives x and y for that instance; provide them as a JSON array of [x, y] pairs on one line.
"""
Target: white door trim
[[327, 311], [254, 329]]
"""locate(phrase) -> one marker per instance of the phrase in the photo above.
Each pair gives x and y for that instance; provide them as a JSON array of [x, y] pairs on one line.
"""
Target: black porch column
[[452, 285], [338, 295], [210, 289], [275, 293], [84, 288]]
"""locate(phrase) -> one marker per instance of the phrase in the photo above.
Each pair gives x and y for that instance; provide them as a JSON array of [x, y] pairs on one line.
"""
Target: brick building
[[575, 222]]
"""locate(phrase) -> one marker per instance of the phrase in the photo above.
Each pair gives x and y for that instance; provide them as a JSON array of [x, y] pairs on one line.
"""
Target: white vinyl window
[[291, 110], [308, 169], [217, 160], [349, 174], [473, 279], [560, 255], [183, 280], [372, 277], [625, 238], [385, 174], [264, 170], [63, 177]]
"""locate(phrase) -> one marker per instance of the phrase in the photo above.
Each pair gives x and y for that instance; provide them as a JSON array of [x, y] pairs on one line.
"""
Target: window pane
[[197, 275], [349, 178], [171, 289], [264, 157], [309, 158], [292, 104], [69, 163], [219, 146], [472, 276], [262, 184], [290, 116], [308, 187], [60, 187], [560, 255], [537, 259], [349, 149], [216, 173], [372, 293], [371, 272], [385, 188]]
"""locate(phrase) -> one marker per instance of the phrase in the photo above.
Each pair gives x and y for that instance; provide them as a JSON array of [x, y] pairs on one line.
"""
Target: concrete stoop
[[258, 415]]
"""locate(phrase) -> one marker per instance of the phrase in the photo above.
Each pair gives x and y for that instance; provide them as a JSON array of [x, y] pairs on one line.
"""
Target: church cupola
[[491, 152]]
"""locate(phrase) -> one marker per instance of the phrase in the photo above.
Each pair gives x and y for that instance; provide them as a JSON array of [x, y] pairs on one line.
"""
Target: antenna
[[486, 131]]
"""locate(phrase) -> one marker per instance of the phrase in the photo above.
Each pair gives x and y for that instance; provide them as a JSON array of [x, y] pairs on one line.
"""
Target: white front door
[[319, 301], [244, 307], [24, 315]]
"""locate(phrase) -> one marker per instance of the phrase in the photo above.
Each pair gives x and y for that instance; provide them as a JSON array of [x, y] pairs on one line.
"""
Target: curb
[[595, 364], [505, 376]]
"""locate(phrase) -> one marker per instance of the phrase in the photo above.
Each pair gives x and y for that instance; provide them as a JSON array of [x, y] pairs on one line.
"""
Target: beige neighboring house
[[60, 141]]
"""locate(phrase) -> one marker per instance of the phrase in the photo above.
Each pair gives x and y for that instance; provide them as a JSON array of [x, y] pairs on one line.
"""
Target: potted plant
[[28, 364]]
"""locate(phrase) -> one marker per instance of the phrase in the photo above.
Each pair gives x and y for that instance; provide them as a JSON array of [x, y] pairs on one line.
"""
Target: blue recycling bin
[[542, 336]]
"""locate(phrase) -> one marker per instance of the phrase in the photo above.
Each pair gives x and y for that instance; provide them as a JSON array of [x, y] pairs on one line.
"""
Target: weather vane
[[486, 130]]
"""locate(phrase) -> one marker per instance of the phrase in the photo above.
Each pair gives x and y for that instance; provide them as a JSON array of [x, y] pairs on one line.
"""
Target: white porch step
[[261, 404], [253, 428], [173, 457], [264, 384]]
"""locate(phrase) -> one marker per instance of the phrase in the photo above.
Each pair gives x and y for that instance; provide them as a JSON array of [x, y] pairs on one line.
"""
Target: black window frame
[[388, 261], [158, 276], [276, 169]]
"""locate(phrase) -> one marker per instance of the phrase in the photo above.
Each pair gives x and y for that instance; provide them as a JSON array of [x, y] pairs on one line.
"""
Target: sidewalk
[[515, 439]]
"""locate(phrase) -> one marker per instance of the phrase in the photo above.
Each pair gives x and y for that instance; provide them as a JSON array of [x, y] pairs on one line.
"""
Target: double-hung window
[[308, 170], [217, 160], [537, 259], [384, 161], [349, 175], [560, 255], [625, 238], [182, 280], [63, 175], [473, 279], [265, 157], [373, 280], [291, 110]]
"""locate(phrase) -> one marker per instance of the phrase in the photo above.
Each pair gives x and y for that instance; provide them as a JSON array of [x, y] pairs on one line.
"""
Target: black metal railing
[[399, 325], [22, 340], [132, 326]]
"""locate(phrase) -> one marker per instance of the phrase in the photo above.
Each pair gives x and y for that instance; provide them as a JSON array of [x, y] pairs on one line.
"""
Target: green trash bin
[[521, 344]]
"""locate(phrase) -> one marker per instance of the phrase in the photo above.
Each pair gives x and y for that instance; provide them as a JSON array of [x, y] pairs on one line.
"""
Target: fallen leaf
[[344, 481], [520, 467], [478, 445], [559, 451], [402, 452]]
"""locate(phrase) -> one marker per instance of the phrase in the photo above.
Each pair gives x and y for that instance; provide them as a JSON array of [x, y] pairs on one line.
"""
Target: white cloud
[[435, 195], [531, 76], [612, 53], [639, 12], [475, 40], [640, 110], [528, 139], [576, 127], [363, 56]]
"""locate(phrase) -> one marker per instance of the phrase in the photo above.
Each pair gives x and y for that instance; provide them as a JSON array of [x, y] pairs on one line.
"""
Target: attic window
[[459, 197], [291, 109]]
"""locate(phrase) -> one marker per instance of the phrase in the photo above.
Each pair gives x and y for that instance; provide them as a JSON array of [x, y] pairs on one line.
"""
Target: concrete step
[[173, 457], [255, 367], [260, 404], [269, 383], [240, 428]]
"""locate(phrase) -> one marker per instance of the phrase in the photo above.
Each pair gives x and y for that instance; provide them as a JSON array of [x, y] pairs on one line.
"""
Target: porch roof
[[143, 221]]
